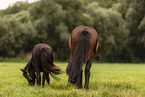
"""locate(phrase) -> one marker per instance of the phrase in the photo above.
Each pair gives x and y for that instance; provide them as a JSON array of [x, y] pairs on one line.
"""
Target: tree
[[112, 32], [103, 3], [16, 32], [75, 15], [135, 18], [15, 8], [48, 18]]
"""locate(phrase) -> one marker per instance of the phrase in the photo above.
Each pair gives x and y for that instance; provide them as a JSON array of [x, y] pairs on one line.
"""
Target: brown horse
[[42, 60], [83, 46]]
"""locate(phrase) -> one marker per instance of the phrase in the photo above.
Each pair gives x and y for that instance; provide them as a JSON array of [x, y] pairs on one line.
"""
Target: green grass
[[107, 80]]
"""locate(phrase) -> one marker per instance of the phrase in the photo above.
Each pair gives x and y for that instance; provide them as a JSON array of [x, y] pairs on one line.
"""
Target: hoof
[[86, 87], [68, 83], [79, 86]]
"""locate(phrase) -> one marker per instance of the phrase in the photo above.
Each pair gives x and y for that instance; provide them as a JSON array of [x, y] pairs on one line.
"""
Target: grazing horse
[[83, 46], [42, 60]]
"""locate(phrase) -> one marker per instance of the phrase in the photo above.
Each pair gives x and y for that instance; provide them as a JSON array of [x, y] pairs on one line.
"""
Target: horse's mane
[[29, 66]]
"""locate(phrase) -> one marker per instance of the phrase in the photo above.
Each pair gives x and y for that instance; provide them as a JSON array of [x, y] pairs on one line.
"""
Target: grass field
[[107, 80]]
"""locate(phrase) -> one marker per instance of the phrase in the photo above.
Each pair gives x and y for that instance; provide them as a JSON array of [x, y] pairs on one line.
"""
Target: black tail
[[47, 62], [78, 56]]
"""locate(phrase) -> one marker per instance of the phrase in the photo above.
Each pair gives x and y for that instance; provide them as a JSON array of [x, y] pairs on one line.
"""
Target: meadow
[[106, 80]]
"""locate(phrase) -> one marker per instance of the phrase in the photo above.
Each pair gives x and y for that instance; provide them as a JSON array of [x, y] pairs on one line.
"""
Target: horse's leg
[[34, 77], [79, 80], [43, 78], [69, 81], [38, 78], [36, 64], [87, 73], [47, 78]]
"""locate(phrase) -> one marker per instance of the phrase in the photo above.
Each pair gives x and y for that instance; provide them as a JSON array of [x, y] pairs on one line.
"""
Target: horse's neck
[[27, 68]]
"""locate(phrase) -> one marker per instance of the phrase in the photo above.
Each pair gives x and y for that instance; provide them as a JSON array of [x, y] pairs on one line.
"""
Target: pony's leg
[[47, 78], [38, 78], [87, 73], [68, 82], [37, 70], [43, 79], [79, 80], [34, 77]]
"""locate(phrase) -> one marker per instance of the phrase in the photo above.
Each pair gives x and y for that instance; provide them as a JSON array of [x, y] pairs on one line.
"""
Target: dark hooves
[[68, 83], [86, 87], [79, 86]]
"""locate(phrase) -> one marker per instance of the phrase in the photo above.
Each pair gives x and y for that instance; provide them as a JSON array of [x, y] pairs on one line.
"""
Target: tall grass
[[107, 80]]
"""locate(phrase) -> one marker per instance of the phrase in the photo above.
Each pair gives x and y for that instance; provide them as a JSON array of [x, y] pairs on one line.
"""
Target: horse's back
[[76, 32], [38, 50], [93, 42], [41, 46]]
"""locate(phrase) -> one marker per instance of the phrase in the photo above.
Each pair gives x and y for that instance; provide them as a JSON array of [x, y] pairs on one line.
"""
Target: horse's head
[[30, 76]]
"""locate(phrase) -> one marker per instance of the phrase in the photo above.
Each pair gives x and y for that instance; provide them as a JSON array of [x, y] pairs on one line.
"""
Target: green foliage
[[135, 23], [50, 24], [74, 13], [119, 23], [110, 26], [103, 3], [15, 8], [15, 34], [106, 80]]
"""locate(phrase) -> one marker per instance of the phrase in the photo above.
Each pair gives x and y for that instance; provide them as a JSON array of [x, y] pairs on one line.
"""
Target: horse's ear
[[22, 70]]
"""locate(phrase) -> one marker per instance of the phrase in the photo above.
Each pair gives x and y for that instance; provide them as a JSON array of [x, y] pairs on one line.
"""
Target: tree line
[[119, 23]]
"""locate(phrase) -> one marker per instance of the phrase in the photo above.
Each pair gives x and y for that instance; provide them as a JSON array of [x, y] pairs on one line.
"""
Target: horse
[[83, 46], [42, 60]]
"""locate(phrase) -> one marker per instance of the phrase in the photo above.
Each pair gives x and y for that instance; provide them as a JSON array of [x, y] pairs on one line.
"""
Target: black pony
[[83, 46], [42, 60]]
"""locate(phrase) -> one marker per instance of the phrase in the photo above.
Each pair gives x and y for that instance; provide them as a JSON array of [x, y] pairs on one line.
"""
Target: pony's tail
[[47, 62], [78, 57]]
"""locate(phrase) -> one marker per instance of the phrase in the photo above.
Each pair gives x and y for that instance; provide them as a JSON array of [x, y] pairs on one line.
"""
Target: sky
[[5, 3]]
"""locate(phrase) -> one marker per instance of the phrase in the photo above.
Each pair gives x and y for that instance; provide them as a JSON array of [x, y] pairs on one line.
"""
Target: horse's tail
[[47, 62], [78, 56]]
